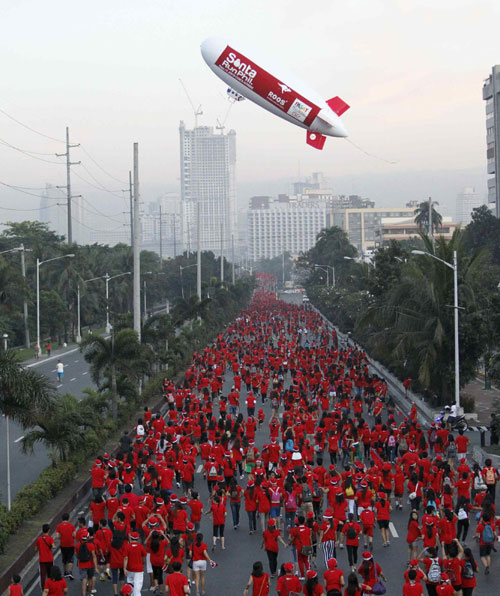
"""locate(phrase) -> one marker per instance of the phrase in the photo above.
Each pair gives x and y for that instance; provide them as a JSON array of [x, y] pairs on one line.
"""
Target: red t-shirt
[[332, 579], [196, 510], [415, 589], [135, 553], [176, 582], [271, 540], [65, 530], [43, 544], [55, 588], [198, 551]]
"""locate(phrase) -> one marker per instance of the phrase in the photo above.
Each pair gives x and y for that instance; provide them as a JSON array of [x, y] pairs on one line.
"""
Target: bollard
[[483, 438]]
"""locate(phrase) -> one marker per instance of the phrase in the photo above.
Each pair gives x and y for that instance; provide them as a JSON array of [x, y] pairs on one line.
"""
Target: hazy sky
[[411, 71]]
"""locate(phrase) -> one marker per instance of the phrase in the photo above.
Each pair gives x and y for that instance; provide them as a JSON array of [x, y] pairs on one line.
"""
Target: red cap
[[127, 589], [445, 577], [414, 562], [84, 535], [332, 563], [366, 555], [288, 567], [134, 536], [271, 522], [328, 514], [98, 462], [153, 521], [310, 515], [311, 573]]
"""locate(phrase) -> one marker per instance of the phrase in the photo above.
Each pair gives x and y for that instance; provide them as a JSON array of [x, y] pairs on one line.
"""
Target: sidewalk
[[484, 399]]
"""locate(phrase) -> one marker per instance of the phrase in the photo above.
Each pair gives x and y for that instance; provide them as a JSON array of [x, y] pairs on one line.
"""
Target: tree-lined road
[[27, 468]]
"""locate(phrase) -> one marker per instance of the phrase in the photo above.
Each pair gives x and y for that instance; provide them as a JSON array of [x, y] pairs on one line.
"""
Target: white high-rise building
[[287, 224], [491, 95], [207, 162], [467, 200]]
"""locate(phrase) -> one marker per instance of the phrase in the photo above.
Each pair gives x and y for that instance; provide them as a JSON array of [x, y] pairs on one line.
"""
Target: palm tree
[[23, 392], [422, 216], [64, 429], [412, 326], [121, 354]]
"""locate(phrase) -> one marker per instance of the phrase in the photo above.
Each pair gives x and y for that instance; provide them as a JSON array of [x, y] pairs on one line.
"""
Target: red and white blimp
[[274, 89]]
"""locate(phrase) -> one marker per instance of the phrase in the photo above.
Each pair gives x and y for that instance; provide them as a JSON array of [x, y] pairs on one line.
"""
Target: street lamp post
[[325, 269], [181, 268], [454, 268], [38, 265], [5, 338], [108, 279]]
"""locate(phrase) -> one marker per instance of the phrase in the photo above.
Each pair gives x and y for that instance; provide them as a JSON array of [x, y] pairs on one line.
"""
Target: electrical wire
[[100, 167], [20, 189], [114, 192], [29, 127], [391, 162], [37, 209], [24, 150]]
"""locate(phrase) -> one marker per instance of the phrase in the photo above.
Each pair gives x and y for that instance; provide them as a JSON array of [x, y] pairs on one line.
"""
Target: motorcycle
[[457, 423]]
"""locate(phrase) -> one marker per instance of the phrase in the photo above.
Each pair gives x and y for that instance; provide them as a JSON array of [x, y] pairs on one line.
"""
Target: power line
[[37, 209], [100, 167], [21, 189], [4, 142], [29, 127]]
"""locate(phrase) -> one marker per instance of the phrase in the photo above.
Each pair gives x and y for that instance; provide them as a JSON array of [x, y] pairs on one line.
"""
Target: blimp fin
[[315, 140], [338, 105]]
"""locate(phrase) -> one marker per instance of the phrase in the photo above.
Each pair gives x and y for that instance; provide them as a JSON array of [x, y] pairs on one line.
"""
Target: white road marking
[[199, 468], [73, 379], [19, 439], [85, 373], [60, 385], [77, 361], [392, 528]]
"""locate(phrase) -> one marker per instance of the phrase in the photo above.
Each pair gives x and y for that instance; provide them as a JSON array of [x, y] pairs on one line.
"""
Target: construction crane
[[197, 111]]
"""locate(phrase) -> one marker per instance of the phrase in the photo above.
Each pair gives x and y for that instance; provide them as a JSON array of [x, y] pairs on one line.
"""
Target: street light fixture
[[454, 268], [181, 268], [327, 268], [38, 265], [5, 337]]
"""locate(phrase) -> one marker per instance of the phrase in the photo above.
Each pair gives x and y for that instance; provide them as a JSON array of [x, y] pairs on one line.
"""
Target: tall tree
[[422, 216]]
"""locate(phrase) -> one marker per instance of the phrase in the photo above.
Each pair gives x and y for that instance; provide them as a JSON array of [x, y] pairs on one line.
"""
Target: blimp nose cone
[[340, 130]]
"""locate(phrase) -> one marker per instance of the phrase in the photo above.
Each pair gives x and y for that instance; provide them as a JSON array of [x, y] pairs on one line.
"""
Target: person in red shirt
[[45, 545], [288, 583], [462, 442], [258, 581], [351, 531], [312, 587], [413, 534], [270, 538], [196, 507], [413, 587], [102, 541], [65, 532], [133, 563], [445, 588], [55, 585], [219, 513], [15, 588], [87, 562], [367, 518], [333, 576], [98, 474], [176, 583], [300, 537]]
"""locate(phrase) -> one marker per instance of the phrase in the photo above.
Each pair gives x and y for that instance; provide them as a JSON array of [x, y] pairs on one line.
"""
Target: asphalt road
[[26, 468], [242, 549]]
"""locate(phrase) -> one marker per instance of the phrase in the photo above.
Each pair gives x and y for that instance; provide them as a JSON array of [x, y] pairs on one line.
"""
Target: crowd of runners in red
[[336, 460]]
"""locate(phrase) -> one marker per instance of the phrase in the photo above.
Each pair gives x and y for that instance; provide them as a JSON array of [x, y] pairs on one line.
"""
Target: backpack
[[434, 573], [391, 441], [468, 571], [289, 445], [490, 476], [84, 555], [316, 490], [448, 565], [432, 436], [403, 443], [306, 493], [488, 536], [462, 514], [291, 503], [351, 533], [452, 450], [118, 539]]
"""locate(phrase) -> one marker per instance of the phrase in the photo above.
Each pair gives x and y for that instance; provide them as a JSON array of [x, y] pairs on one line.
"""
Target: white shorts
[[200, 565]]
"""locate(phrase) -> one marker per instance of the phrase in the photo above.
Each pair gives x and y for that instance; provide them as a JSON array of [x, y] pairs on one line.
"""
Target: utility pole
[[175, 243], [198, 256], [161, 239], [222, 250], [69, 163], [25, 302], [131, 199], [232, 257], [431, 231], [136, 247]]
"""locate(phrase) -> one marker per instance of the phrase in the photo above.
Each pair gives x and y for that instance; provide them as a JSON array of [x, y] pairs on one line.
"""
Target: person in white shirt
[[60, 371]]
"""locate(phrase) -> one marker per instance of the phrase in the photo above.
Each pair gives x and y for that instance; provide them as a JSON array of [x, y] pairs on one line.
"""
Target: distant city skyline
[[417, 117]]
